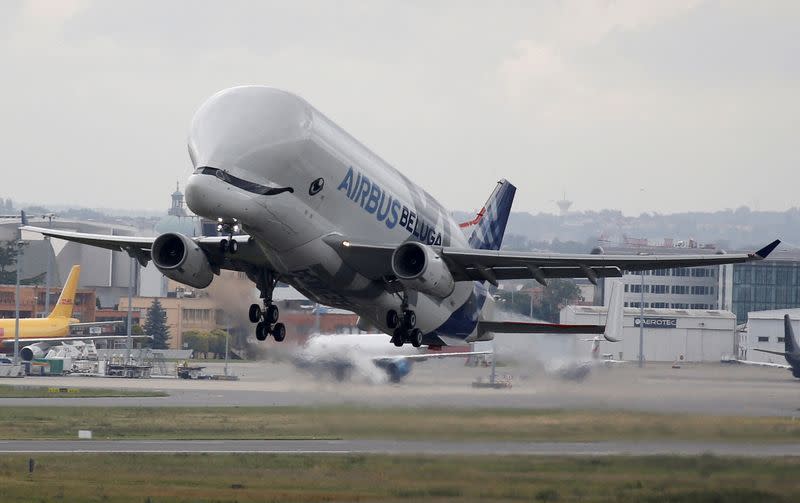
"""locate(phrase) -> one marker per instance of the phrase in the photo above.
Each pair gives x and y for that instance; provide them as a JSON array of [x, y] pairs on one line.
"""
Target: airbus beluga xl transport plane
[[325, 214]]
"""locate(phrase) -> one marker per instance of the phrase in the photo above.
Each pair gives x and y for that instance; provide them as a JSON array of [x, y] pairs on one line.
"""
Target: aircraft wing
[[139, 247], [432, 354], [467, 264], [76, 338], [95, 324]]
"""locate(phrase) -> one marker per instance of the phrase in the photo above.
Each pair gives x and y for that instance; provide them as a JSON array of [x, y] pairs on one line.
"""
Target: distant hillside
[[729, 229]]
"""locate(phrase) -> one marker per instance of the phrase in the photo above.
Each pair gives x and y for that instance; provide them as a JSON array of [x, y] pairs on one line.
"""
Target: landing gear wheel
[[223, 246], [392, 319], [271, 314], [279, 332], [233, 246], [409, 319], [415, 337], [262, 331], [255, 313], [398, 339]]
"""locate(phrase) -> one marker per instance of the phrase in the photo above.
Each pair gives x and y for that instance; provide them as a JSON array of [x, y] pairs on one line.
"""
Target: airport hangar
[[765, 330], [697, 335]]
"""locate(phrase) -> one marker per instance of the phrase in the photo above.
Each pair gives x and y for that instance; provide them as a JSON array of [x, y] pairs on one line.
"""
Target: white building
[[698, 335], [765, 331]]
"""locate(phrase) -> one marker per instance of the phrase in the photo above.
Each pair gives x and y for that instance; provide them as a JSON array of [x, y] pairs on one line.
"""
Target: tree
[[156, 325], [8, 258], [216, 342], [196, 341], [559, 293]]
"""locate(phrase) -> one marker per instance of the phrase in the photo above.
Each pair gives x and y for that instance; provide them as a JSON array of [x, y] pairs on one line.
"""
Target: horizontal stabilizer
[[521, 327], [27, 340], [779, 353]]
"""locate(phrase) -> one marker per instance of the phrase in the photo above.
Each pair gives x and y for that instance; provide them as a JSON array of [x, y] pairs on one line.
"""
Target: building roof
[[676, 313], [774, 314]]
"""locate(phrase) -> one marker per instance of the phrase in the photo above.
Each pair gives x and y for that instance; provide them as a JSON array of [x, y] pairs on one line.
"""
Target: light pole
[[47, 278], [16, 302], [227, 336], [641, 323], [128, 339]]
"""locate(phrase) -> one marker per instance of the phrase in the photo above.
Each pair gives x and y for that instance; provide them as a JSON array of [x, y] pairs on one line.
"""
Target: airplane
[[342, 354], [791, 353], [43, 332], [323, 213], [366, 354]]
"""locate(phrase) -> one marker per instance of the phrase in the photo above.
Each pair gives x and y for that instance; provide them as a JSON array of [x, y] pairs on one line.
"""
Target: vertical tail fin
[[789, 341], [66, 300], [490, 224]]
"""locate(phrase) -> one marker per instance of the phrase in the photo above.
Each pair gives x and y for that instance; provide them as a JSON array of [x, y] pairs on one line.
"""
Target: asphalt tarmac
[[401, 447], [714, 389]]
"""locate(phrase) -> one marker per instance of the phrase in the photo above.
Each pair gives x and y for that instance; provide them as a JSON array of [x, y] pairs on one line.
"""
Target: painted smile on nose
[[253, 187]]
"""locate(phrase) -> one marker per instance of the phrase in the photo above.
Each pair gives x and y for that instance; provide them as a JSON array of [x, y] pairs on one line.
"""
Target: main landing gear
[[230, 228], [266, 319], [404, 329]]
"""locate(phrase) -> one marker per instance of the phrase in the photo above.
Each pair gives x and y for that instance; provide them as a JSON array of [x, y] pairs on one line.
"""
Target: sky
[[663, 106]]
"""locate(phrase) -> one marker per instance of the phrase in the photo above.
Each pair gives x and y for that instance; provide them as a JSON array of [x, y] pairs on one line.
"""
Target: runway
[[399, 447], [713, 389]]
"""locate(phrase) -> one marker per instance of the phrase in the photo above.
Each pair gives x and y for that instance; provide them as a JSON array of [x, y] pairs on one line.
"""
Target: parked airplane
[[791, 353], [43, 332], [340, 355], [328, 216]]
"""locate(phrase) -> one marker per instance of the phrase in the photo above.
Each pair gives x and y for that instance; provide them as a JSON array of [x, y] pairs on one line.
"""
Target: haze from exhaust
[[639, 106]]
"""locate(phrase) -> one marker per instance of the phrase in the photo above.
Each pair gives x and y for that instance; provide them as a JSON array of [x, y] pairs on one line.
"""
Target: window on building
[[781, 339], [761, 338]]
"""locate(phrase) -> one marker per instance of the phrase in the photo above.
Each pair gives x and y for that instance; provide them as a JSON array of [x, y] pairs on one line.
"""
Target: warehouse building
[[697, 335]]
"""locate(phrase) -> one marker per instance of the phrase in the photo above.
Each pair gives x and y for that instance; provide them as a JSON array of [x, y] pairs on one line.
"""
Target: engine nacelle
[[34, 351], [180, 258], [420, 268]]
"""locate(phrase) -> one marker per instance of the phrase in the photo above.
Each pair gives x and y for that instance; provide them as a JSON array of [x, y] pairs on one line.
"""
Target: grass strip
[[300, 478], [47, 422], [7, 391]]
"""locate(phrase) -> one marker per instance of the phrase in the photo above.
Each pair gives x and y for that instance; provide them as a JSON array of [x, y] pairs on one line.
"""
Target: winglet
[[614, 317], [764, 252]]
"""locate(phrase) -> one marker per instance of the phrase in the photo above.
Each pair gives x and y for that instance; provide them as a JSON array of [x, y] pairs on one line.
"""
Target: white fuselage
[[254, 138]]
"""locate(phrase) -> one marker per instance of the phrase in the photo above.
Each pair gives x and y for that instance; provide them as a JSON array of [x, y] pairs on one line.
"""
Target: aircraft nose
[[238, 128]]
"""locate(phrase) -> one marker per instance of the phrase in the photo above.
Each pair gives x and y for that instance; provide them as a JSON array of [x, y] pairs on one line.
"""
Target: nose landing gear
[[230, 228]]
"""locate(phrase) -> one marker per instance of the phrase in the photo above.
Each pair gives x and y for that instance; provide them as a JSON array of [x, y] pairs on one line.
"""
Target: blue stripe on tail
[[489, 231]]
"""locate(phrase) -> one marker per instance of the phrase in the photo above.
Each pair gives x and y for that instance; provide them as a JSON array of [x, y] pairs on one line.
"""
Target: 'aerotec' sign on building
[[656, 322]]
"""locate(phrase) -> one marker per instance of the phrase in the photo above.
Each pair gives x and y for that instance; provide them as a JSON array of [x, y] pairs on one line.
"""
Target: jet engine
[[420, 268], [397, 369], [180, 258], [37, 350]]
